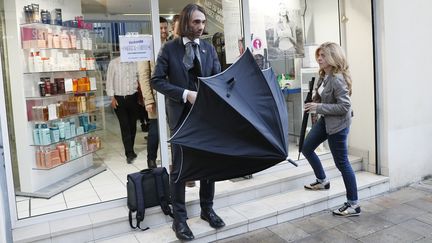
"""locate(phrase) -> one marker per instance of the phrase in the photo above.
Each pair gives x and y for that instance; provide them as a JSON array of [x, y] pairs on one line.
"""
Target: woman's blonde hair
[[335, 57]]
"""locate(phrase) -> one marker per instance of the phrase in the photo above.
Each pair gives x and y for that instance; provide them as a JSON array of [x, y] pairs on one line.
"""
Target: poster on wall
[[135, 48], [281, 26]]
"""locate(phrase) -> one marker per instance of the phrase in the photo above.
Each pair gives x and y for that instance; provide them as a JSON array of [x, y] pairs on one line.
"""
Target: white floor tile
[[48, 209], [83, 201], [79, 195], [162, 234], [40, 202], [113, 195], [106, 216], [21, 198], [82, 236], [34, 232], [70, 225], [23, 205], [129, 238], [24, 214]]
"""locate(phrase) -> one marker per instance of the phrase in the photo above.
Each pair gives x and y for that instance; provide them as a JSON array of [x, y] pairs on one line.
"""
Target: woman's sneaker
[[347, 210], [318, 186]]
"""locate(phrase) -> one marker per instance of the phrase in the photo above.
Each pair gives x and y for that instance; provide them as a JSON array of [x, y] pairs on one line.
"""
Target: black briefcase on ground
[[145, 189]]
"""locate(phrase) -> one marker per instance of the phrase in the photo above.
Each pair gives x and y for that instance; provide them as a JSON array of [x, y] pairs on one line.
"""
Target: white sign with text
[[135, 48]]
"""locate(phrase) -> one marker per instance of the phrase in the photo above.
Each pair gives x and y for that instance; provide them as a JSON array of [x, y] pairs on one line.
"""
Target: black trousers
[[206, 193], [153, 140], [127, 114]]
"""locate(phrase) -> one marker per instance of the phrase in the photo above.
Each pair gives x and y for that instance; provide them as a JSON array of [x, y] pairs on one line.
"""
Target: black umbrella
[[237, 126], [305, 116]]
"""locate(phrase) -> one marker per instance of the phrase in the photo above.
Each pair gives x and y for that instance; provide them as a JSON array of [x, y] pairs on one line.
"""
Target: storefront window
[[66, 145], [69, 148], [285, 34]]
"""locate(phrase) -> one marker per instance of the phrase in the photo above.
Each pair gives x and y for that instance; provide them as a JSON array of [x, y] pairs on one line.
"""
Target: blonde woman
[[333, 104]]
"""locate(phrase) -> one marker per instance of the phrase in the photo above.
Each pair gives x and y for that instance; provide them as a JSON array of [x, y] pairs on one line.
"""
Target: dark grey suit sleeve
[[341, 95], [159, 79]]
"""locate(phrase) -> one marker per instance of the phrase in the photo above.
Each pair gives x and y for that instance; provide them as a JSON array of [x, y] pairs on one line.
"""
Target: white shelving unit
[[46, 181]]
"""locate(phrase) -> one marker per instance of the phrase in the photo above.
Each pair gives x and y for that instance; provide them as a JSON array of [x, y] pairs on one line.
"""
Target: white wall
[[321, 21], [2, 203], [358, 44], [405, 39]]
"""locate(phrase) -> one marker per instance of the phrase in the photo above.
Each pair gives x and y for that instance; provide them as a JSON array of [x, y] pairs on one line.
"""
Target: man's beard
[[194, 34]]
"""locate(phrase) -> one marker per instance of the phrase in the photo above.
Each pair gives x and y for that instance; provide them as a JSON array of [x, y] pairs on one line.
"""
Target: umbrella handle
[[292, 162], [230, 86]]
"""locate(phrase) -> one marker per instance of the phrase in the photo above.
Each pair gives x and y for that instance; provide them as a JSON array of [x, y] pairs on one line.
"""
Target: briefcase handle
[[145, 171]]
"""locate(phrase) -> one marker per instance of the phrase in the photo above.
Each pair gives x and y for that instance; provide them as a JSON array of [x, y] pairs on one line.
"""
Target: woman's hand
[[311, 107], [150, 107], [114, 103]]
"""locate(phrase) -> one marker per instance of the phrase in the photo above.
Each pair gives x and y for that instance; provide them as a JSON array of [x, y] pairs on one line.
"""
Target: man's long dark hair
[[186, 15]]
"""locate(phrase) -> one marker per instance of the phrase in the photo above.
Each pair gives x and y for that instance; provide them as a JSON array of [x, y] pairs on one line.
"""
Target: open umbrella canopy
[[237, 126]]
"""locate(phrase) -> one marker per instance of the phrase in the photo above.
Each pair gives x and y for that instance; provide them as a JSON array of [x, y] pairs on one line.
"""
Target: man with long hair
[[179, 64]]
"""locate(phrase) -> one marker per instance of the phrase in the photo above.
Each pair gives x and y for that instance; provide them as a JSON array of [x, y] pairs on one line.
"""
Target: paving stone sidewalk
[[404, 215]]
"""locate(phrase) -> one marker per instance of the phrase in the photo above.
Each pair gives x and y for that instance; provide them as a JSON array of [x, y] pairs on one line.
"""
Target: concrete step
[[263, 212], [282, 178]]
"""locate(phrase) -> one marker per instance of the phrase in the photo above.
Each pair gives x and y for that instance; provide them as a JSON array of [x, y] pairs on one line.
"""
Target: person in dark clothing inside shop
[[122, 86], [178, 65], [175, 26]]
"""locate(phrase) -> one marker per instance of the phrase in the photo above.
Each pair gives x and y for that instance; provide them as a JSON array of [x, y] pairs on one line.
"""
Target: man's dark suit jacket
[[171, 78]]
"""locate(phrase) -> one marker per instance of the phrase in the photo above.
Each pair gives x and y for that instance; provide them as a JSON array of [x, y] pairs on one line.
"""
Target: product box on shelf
[[33, 38], [52, 156]]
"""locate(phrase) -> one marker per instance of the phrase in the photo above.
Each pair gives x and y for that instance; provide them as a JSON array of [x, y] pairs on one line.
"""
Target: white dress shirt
[[186, 40], [121, 78]]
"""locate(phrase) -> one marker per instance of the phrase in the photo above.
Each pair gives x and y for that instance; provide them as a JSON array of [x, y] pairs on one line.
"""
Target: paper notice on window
[[136, 48]]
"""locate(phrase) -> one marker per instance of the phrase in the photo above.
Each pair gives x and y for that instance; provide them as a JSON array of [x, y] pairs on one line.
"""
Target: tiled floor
[[106, 186]]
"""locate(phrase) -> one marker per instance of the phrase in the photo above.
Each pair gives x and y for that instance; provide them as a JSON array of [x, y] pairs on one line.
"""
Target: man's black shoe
[[182, 231], [212, 218], [151, 163], [131, 158]]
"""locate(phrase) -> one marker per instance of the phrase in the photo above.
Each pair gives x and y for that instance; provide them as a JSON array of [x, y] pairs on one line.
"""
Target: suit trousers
[[127, 114], [206, 193], [153, 140]]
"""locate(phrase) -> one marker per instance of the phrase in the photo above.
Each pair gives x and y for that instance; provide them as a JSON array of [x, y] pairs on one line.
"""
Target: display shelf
[[52, 26], [67, 139], [287, 91], [67, 117], [62, 71], [60, 95], [48, 54], [58, 49], [69, 161]]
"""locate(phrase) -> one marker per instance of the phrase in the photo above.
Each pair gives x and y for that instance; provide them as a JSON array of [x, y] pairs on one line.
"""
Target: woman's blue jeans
[[338, 144]]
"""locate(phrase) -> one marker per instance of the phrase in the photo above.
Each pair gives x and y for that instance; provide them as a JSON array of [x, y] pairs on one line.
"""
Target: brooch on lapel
[[203, 51]]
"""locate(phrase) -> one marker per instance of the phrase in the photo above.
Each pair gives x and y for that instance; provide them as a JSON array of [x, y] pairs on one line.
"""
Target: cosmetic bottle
[[36, 136]]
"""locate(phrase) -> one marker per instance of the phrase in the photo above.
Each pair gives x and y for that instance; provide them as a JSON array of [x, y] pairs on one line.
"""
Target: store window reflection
[[284, 33]]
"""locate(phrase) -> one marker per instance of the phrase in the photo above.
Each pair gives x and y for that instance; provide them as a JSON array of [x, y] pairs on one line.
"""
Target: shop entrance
[[76, 56]]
